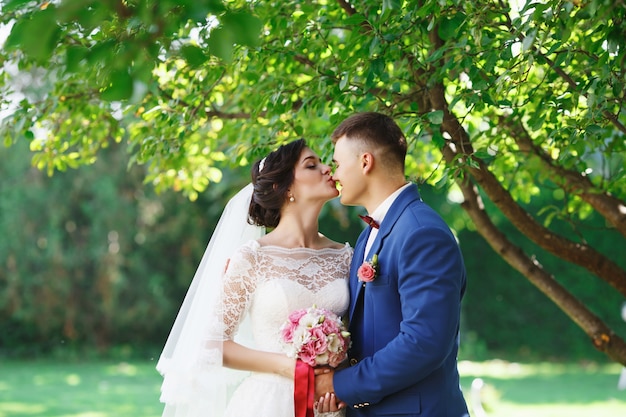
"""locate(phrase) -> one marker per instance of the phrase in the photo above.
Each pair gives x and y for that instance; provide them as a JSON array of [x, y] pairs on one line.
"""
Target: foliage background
[[521, 103], [96, 264]]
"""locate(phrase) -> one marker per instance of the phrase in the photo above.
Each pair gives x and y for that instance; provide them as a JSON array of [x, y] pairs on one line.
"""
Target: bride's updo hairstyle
[[271, 177]]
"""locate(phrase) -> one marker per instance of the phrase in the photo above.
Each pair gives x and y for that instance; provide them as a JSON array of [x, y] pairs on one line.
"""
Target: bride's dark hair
[[271, 177]]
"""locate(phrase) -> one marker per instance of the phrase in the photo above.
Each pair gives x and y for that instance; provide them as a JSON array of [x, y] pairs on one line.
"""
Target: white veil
[[194, 381]]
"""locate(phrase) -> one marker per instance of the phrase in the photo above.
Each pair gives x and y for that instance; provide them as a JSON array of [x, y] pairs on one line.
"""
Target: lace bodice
[[269, 282]]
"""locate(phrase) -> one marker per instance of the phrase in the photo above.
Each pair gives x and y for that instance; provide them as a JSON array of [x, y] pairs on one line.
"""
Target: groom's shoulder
[[419, 212]]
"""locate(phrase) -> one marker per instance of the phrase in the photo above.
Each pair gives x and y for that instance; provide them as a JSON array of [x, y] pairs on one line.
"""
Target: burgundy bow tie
[[367, 219]]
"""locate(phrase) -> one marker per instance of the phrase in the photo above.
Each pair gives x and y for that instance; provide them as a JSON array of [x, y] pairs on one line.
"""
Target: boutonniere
[[368, 270]]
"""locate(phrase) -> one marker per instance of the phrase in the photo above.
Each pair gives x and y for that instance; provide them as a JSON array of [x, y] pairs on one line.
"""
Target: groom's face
[[348, 171]]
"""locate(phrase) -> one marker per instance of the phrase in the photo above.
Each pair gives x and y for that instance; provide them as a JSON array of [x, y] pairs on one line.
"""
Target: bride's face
[[312, 179]]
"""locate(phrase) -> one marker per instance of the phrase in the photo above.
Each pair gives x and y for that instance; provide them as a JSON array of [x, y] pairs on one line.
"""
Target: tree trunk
[[577, 253], [602, 337]]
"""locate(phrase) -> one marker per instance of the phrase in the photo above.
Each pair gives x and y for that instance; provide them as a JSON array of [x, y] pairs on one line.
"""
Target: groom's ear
[[367, 162]]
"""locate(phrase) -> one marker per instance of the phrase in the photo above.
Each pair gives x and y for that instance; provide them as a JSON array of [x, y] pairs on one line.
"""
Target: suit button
[[353, 361]]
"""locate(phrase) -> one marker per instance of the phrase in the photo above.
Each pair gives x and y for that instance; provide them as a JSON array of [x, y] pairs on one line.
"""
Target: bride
[[224, 356]]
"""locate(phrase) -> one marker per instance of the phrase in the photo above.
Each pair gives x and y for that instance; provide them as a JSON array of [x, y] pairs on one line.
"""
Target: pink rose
[[287, 331], [307, 353], [329, 326], [318, 337], [367, 270], [335, 359], [296, 315]]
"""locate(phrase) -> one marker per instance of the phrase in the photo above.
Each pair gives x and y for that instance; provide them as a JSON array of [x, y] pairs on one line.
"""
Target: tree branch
[[576, 253], [613, 209], [603, 338], [350, 10], [565, 76]]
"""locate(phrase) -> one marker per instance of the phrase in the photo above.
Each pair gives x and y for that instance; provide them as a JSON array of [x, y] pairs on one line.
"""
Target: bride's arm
[[240, 357], [239, 283]]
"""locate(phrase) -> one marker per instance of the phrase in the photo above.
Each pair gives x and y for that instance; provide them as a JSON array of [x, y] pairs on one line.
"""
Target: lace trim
[[254, 264]]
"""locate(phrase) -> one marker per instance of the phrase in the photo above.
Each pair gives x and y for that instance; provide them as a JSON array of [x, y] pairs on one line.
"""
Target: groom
[[404, 322]]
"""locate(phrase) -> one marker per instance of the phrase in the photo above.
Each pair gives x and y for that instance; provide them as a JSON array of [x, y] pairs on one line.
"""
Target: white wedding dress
[[267, 283]]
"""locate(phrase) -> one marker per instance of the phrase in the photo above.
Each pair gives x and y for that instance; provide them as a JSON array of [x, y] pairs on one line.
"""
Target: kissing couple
[[399, 292]]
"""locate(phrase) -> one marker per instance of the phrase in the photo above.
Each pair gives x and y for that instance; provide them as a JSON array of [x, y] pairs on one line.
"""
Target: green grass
[[546, 389], [119, 389], [90, 389]]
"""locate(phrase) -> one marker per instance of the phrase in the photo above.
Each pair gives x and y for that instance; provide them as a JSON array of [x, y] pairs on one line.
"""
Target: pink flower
[[329, 326], [296, 315], [368, 270], [316, 336], [307, 354], [335, 359], [287, 331]]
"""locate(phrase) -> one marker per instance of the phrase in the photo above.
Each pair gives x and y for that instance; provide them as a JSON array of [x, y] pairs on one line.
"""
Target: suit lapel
[[402, 202], [357, 257]]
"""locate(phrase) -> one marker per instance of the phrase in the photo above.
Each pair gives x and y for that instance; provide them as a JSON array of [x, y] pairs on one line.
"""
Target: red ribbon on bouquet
[[304, 389]]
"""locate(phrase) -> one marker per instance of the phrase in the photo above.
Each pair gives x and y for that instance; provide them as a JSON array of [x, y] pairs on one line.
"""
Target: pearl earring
[[291, 199]]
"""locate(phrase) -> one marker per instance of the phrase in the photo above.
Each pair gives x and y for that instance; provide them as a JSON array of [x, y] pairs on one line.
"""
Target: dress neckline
[[258, 246]]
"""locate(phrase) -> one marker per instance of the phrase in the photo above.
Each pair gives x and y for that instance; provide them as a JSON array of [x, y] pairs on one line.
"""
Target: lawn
[[546, 389], [119, 389], [90, 389]]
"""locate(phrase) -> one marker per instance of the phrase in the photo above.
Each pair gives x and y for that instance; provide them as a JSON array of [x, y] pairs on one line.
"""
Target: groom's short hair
[[378, 131]]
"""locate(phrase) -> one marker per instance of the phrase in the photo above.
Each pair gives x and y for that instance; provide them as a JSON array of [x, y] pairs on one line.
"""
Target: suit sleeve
[[431, 279]]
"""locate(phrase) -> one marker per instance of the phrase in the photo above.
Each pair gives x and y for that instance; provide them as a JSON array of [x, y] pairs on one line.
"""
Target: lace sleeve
[[340, 413], [238, 286]]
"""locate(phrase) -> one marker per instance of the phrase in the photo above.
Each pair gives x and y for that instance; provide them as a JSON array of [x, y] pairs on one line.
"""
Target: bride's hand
[[328, 403]]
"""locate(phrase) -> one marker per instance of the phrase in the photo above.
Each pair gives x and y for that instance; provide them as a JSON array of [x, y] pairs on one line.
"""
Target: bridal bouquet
[[316, 336]]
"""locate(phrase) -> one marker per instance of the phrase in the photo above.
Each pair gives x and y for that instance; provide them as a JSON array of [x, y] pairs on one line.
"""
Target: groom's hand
[[323, 381], [324, 385]]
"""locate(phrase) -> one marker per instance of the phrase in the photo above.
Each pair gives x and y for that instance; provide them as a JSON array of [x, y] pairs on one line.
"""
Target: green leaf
[[355, 19], [528, 41], [377, 66], [345, 77], [438, 139], [194, 55], [73, 58], [448, 27], [482, 154], [435, 117], [536, 123], [374, 46], [244, 28], [14, 5], [593, 130], [120, 87], [389, 5], [36, 36], [436, 55], [221, 44], [101, 52]]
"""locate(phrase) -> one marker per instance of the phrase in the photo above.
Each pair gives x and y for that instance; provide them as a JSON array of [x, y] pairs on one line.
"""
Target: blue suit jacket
[[405, 324]]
